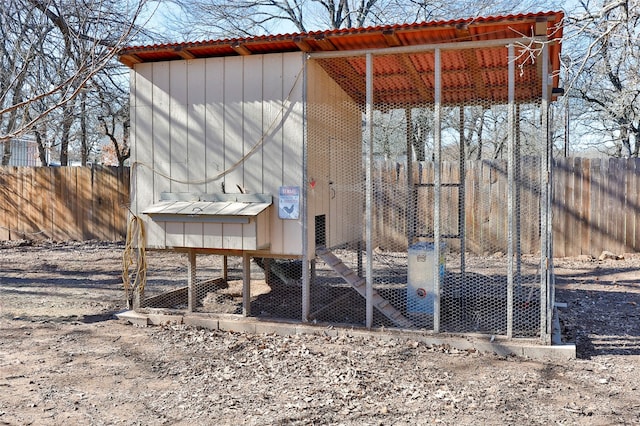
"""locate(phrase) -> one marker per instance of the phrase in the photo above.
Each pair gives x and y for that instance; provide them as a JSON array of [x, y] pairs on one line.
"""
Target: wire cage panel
[[426, 206], [455, 161]]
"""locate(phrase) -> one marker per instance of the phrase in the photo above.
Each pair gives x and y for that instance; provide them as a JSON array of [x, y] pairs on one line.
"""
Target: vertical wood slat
[[596, 205], [63, 203]]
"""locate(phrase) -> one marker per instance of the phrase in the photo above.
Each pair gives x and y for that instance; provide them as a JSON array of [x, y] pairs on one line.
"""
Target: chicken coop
[[395, 176]]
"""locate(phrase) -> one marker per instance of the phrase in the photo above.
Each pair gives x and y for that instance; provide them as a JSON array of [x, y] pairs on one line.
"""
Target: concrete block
[[133, 317]]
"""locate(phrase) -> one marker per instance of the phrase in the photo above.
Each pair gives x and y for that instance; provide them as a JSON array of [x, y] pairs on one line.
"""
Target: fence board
[[595, 206], [61, 203]]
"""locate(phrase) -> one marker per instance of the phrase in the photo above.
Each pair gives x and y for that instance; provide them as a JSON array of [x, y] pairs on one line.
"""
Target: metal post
[[307, 258], [511, 189], [437, 190], [461, 197], [546, 303], [369, 189]]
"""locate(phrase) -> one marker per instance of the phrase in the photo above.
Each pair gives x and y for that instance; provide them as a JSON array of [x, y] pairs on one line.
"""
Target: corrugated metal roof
[[378, 37], [467, 74]]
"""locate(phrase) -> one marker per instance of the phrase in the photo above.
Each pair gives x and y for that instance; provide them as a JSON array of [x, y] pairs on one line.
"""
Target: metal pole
[[437, 128], [511, 189], [546, 303], [308, 264], [461, 196], [369, 189]]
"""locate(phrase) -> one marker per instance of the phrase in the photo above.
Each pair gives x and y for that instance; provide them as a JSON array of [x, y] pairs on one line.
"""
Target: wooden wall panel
[[253, 105], [214, 124], [178, 127], [196, 125], [233, 122], [292, 147], [272, 113]]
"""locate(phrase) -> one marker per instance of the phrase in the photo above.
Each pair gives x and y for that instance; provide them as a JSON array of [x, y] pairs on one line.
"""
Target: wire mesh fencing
[[427, 206], [455, 207]]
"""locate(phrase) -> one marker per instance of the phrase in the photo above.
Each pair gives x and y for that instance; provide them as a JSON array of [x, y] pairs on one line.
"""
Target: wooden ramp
[[358, 283]]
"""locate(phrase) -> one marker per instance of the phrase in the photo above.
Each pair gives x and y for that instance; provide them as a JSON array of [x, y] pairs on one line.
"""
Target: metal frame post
[[369, 189], [308, 266], [511, 189], [546, 304], [437, 192]]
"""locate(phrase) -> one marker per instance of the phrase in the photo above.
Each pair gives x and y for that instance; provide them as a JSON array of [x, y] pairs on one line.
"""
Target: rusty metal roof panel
[[467, 74], [354, 38]]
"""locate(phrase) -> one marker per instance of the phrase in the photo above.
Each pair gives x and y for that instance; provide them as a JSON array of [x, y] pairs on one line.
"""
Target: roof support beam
[[428, 47], [415, 77], [241, 49], [391, 38], [324, 43], [185, 54], [302, 44]]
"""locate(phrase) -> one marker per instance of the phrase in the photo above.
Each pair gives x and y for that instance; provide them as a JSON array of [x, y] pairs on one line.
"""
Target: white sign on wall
[[289, 202]]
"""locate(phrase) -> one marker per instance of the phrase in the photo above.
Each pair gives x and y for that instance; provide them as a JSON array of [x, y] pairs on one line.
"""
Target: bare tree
[[603, 67], [50, 50], [243, 18]]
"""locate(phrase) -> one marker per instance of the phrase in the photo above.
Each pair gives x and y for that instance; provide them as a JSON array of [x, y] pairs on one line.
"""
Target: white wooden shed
[[264, 148]]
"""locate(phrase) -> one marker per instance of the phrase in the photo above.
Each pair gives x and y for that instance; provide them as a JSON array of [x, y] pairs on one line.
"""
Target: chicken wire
[[457, 240], [427, 208], [217, 285]]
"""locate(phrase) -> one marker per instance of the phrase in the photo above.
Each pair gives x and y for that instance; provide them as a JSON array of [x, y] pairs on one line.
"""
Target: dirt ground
[[64, 359]]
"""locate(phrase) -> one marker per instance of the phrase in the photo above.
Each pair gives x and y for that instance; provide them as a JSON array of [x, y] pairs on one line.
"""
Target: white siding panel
[[193, 234], [142, 120], [174, 234], [214, 122], [133, 202], [178, 122], [196, 118], [212, 235], [249, 235], [273, 160], [161, 135], [155, 233], [233, 122], [293, 144], [143, 82], [232, 236], [335, 153], [318, 147], [252, 117]]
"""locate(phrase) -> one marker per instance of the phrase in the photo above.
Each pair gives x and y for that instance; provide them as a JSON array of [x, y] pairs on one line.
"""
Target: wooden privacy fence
[[63, 203], [595, 204]]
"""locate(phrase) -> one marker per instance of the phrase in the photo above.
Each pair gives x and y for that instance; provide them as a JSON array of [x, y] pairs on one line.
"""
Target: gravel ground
[[65, 360]]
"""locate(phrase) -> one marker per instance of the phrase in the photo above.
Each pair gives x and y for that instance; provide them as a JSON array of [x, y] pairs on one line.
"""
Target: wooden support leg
[[225, 268], [191, 281], [246, 284], [267, 269]]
